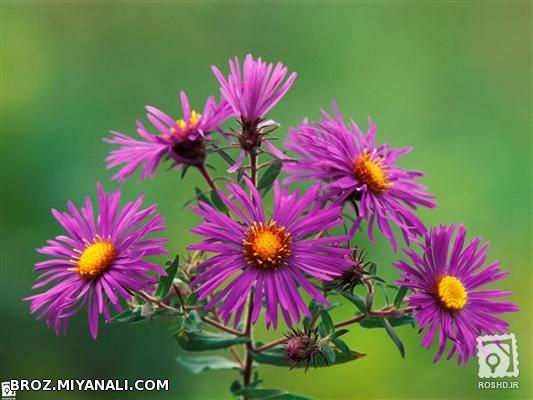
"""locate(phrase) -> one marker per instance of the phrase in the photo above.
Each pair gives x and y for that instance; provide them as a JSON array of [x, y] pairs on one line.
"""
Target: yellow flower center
[[95, 258], [372, 172], [193, 120], [266, 246], [451, 293]]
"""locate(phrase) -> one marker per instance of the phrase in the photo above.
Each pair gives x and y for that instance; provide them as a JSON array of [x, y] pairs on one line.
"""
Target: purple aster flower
[[446, 279], [269, 257], [99, 261], [252, 93], [181, 140], [355, 169]]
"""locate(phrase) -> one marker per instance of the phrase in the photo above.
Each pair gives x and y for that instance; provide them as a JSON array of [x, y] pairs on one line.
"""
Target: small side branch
[[222, 327]]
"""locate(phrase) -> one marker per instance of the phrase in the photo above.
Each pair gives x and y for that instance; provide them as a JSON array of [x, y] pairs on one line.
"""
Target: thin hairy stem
[[271, 344], [158, 302], [384, 312], [247, 372], [222, 327], [205, 173], [253, 166]]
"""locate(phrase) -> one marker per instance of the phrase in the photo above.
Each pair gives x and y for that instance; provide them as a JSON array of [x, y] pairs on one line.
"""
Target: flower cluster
[[278, 258]]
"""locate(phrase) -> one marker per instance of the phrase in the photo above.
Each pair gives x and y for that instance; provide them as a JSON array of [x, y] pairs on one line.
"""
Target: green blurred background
[[451, 79]]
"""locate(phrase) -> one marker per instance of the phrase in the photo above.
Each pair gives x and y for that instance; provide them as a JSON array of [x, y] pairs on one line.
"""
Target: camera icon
[[497, 356]]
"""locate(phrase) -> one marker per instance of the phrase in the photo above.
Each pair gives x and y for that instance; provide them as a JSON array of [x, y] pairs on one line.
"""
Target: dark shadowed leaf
[[177, 327], [225, 156], [184, 170], [203, 341], [268, 394], [217, 202], [200, 196], [394, 336], [369, 300], [327, 322], [377, 322], [165, 282], [193, 322], [129, 316], [197, 364], [372, 268], [383, 288], [343, 347], [339, 333], [276, 356], [315, 308], [329, 353], [268, 177], [402, 291], [358, 300]]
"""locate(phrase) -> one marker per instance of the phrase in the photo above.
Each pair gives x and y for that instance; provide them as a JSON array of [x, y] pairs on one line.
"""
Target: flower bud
[[302, 347], [355, 275]]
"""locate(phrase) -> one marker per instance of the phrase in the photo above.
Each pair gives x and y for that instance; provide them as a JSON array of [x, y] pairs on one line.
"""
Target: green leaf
[[268, 177], [399, 296], [384, 290], [192, 299], [166, 281], [377, 322], [200, 196], [358, 300], [315, 308], [224, 155], [372, 268], [193, 322], [184, 170], [339, 333], [369, 300], [203, 341], [394, 336], [268, 394], [329, 353], [204, 363], [276, 356], [217, 202], [327, 322], [236, 387], [177, 327], [130, 316], [343, 347]]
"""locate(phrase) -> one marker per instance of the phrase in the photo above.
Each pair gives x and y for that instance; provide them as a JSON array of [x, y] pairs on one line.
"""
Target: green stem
[[386, 311]]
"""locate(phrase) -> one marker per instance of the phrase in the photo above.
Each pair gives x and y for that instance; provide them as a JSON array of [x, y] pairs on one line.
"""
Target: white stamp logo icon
[[497, 356], [7, 393]]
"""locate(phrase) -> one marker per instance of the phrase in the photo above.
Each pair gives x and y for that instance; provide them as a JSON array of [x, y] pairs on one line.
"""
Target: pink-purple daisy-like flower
[[181, 140], [269, 257], [252, 92], [99, 261], [446, 279], [355, 169]]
